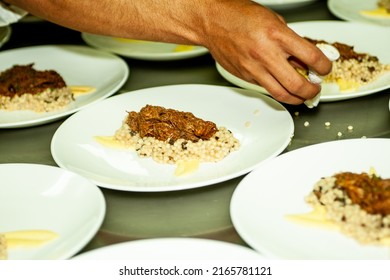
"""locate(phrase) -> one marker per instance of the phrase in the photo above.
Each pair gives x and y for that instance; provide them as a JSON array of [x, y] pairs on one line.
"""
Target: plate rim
[[7, 32], [199, 51], [284, 5], [186, 241]]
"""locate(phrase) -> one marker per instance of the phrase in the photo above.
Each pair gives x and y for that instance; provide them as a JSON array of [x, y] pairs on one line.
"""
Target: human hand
[[255, 44]]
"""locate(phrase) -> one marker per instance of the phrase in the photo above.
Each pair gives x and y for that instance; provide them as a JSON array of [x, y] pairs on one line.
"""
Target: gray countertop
[[202, 212]]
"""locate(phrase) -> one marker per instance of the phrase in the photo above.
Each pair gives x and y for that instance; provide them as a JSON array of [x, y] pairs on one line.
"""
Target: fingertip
[[325, 68]]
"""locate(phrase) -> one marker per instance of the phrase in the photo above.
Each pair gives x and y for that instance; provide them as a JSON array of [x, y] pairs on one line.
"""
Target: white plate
[[284, 4], [172, 249], [78, 65], [351, 12], [144, 50], [375, 41], [73, 146], [5, 33], [40, 197], [278, 187]]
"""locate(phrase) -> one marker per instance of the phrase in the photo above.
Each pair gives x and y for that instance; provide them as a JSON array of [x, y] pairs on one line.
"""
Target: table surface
[[202, 212]]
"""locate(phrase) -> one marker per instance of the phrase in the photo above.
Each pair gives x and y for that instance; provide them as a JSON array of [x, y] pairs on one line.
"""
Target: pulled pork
[[370, 192], [21, 79]]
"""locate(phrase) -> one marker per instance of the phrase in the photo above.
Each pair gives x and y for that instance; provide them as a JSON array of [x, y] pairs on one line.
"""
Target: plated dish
[[375, 41], [144, 50], [284, 4], [344, 10], [78, 65], [52, 200], [262, 125], [5, 33], [172, 249], [263, 201]]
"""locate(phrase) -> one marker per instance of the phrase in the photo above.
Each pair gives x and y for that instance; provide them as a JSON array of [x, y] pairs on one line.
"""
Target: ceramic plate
[[5, 33], [31, 18], [40, 197], [374, 41], [263, 127], [284, 4], [277, 188], [344, 10], [172, 249], [78, 65], [144, 50]]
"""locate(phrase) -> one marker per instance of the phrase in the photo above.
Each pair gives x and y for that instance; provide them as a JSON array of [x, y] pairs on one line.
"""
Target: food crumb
[[256, 112], [327, 124], [248, 124], [339, 134], [296, 114], [350, 128], [306, 124]]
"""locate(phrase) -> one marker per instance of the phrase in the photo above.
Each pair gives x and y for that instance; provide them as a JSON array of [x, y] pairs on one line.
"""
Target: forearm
[[159, 20]]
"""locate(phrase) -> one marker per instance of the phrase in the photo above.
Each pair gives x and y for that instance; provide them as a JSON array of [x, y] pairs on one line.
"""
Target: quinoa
[[356, 71], [46, 101], [354, 220], [214, 149]]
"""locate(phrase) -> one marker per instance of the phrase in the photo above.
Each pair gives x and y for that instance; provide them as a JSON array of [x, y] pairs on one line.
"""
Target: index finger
[[309, 54]]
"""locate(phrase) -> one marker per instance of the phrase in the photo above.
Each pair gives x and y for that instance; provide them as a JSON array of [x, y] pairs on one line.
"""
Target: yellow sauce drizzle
[[317, 218], [81, 90], [109, 141], [125, 40], [29, 238], [345, 85], [376, 13], [183, 48], [186, 167]]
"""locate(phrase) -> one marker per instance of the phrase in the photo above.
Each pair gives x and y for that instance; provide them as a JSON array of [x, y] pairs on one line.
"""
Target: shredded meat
[[168, 124], [346, 52], [21, 79], [371, 193]]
